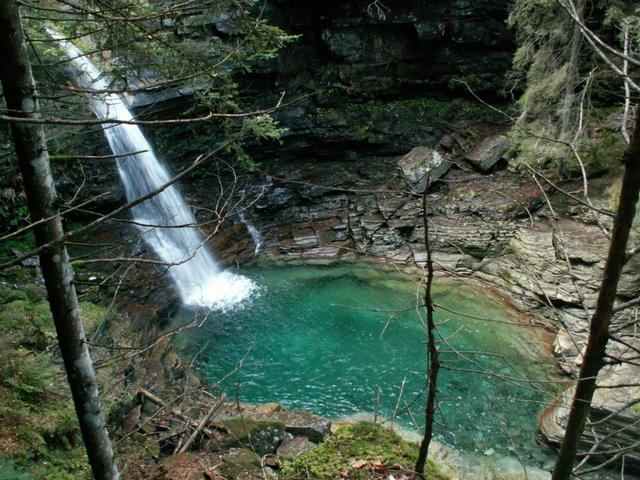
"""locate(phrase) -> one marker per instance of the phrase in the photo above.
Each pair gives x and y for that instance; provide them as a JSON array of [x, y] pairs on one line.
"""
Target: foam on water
[[226, 291], [338, 341]]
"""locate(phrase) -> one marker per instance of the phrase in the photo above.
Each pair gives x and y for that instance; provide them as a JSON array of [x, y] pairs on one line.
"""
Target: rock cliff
[[371, 83]]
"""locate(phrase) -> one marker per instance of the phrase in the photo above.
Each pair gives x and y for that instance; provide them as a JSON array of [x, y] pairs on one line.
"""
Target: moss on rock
[[263, 436], [238, 462], [358, 451]]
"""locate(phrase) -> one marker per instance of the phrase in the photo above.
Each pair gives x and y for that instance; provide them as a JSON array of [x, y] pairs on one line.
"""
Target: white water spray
[[253, 231], [168, 224]]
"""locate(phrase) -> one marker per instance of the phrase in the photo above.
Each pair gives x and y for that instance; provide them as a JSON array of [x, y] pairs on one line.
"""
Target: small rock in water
[[489, 451]]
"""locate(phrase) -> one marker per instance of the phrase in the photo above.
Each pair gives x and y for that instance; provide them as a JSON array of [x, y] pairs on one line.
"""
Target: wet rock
[[238, 462], [276, 198], [421, 167], [263, 436], [315, 430], [292, 446], [614, 421], [305, 238], [489, 152]]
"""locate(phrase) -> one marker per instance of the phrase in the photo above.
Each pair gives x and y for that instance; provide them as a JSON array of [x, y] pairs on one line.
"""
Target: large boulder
[[316, 430], [263, 436], [297, 424], [615, 419], [421, 167], [488, 152], [292, 446]]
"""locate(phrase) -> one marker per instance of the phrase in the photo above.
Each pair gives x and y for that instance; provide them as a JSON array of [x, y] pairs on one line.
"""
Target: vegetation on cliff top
[[571, 98]]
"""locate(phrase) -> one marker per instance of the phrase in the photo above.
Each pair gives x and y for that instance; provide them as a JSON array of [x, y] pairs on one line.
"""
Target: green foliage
[[159, 45], [10, 471], [37, 418], [373, 118], [351, 452], [601, 151], [14, 212], [20, 243], [567, 93], [19, 214], [542, 63], [28, 375], [264, 127]]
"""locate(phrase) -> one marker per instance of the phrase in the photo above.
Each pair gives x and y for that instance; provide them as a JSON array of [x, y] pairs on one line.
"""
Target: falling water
[[253, 231], [169, 226]]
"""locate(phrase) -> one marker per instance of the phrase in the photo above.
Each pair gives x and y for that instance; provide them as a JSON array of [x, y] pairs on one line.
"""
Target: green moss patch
[[263, 436], [359, 451], [239, 461], [21, 243], [39, 432]]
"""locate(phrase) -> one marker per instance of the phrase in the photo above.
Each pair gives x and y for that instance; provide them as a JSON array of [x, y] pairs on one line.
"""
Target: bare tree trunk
[[33, 158], [434, 360], [599, 330], [571, 84]]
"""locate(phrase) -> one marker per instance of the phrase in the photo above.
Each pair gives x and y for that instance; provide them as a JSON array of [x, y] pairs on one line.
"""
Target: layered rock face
[[360, 77], [495, 227], [395, 48], [382, 76], [373, 83]]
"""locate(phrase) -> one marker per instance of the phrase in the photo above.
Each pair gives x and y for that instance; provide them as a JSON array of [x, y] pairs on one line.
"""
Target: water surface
[[326, 339]]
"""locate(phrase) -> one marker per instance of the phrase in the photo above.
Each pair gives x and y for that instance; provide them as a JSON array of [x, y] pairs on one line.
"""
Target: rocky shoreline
[[490, 222], [494, 226], [371, 89]]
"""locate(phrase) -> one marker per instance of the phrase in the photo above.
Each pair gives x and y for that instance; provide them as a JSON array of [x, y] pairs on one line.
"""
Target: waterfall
[[253, 231], [169, 226]]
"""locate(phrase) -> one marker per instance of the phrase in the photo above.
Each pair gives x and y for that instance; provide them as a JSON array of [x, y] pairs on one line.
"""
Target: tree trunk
[[434, 360], [33, 158], [571, 84], [599, 330]]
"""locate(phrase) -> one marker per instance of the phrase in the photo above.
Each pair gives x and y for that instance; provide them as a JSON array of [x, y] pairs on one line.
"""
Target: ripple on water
[[324, 339]]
